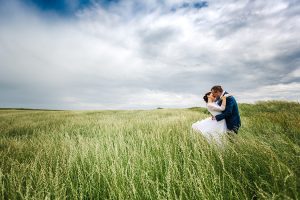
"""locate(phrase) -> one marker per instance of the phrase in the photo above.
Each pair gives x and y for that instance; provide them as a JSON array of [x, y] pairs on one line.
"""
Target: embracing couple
[[225, 115]]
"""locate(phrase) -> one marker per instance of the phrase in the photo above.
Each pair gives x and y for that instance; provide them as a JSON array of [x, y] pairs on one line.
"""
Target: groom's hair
[[217, 88], [205, 97]]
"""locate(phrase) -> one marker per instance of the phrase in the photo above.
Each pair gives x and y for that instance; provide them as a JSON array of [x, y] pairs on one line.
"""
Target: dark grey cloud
[[119, 58]]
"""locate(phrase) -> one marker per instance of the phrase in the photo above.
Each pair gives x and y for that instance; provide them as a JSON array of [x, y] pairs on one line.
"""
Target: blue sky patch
[[65, 7], [196, 5]]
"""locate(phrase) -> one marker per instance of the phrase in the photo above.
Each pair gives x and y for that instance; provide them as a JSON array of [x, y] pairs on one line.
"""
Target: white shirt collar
[[223, 93], [219, 99]]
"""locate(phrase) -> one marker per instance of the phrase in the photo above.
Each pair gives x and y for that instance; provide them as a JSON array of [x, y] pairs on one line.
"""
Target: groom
[[231, 112]]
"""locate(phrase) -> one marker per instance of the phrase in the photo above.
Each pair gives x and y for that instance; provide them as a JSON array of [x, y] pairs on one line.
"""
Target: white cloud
[[124, 58], [288, 91]]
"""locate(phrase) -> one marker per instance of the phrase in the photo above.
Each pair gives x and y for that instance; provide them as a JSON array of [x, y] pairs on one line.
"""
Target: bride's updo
[[205, 97]]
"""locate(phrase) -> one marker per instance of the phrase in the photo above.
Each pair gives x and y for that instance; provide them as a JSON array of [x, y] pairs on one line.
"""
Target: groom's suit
[[230, 114]]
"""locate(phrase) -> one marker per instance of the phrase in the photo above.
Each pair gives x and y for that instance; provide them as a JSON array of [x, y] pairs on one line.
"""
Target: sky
[[133, 54]]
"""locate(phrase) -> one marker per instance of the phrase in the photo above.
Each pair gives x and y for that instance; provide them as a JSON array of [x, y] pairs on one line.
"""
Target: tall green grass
[[148, 154]]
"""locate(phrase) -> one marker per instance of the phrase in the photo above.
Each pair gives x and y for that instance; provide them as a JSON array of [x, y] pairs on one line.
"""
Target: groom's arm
[[227, 111]]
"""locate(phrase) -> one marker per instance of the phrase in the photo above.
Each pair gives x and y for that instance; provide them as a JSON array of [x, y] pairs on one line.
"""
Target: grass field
[[148, 154]]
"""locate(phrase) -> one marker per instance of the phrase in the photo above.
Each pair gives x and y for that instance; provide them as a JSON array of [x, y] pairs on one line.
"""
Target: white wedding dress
[[209, 128]]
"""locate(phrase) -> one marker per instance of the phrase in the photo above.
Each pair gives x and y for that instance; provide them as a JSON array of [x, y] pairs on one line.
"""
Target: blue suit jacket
[[230, 114]]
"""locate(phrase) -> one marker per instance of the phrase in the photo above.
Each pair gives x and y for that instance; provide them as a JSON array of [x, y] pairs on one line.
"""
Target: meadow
[[149, 154]]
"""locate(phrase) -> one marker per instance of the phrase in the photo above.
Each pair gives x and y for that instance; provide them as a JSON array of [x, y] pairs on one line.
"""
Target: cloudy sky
[[133, 54]]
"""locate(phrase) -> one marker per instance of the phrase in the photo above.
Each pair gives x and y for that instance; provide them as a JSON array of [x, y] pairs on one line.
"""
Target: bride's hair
[[205, 97]]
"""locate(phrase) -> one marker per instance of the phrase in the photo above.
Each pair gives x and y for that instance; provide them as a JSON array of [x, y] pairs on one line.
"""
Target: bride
[[212, 129]]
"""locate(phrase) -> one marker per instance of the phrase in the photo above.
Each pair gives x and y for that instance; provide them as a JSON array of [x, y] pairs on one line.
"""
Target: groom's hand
[[213, 117]]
